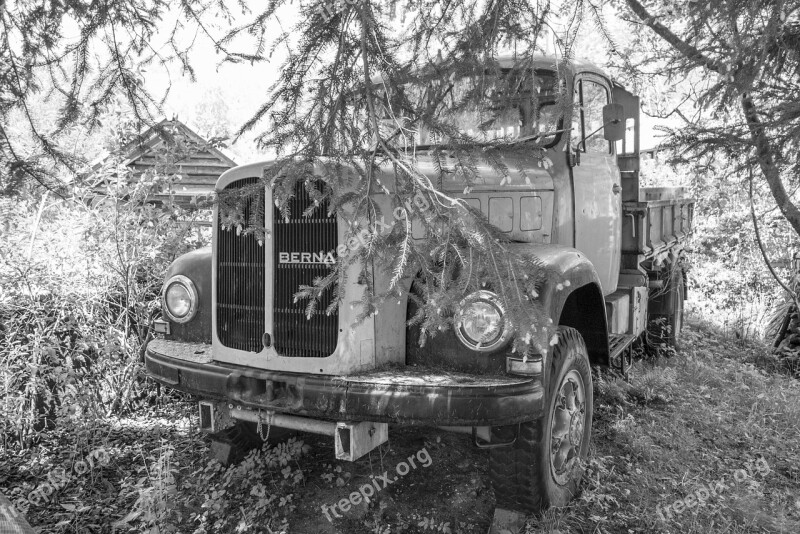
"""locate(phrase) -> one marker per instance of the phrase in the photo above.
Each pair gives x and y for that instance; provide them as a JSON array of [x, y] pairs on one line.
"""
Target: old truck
[[232, 335]]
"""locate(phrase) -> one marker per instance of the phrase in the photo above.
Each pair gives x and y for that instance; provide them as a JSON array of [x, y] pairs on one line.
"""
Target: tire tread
[[515, 471]]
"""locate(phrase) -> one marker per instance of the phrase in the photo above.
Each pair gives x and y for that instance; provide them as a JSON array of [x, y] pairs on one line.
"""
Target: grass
[[686, 423], [716, 412]]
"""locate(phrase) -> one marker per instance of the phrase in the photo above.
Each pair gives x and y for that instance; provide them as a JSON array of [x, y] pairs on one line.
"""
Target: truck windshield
[[478, 109]]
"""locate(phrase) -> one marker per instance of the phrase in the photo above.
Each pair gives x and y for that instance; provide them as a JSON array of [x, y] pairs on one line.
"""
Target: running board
[[620, 357]]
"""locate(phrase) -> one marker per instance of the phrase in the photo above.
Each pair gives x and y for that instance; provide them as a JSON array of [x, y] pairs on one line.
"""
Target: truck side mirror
[[613, 122]]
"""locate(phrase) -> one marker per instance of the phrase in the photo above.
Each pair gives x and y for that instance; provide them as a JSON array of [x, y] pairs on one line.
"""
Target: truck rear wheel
[[666, 326], [676, 321], [545, 464]]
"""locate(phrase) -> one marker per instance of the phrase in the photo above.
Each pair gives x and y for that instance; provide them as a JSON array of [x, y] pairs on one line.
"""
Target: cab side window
[[592, 96]]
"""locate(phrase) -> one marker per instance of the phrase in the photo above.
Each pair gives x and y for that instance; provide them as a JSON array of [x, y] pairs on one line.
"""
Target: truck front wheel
[[545, 464]]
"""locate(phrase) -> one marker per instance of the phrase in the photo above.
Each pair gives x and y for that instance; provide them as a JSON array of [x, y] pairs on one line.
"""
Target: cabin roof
[[160, 133], [199, 166]]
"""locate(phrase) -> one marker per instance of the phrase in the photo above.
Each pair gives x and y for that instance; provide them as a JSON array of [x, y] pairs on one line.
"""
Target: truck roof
[[550, 62], [540, 61], [545, 62]]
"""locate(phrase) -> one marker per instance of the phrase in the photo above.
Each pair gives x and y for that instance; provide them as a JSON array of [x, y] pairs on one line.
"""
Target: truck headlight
[[180, 299], [480, 322]]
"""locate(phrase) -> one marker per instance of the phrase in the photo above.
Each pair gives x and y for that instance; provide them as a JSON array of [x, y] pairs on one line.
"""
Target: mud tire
[[521, 473]]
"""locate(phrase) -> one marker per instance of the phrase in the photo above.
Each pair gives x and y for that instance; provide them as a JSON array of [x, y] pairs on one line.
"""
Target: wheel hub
[[576, 429], [568, 422]]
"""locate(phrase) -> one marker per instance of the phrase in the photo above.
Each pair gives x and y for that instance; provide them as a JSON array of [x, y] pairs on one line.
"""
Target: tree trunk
[[761, 141], [764, 155]]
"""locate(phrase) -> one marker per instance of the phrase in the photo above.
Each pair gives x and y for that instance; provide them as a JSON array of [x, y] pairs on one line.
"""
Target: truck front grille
[[240, 280], [300, 242]]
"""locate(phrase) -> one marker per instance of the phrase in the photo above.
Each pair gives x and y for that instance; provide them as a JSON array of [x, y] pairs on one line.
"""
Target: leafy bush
[[728, 283], [80, 280], [256, 492]]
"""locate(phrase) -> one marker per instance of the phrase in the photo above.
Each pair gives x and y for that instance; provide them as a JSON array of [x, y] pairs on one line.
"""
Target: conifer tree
[[733, 67]]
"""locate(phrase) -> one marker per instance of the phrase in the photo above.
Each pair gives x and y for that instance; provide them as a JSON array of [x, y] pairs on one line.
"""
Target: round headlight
[[180, 299], [480, 322]]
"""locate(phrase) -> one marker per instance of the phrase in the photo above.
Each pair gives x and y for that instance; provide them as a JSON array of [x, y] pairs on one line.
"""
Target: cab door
[[595, 181]]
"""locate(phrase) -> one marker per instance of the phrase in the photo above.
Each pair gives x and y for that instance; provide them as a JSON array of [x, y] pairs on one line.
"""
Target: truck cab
[[232, 334]]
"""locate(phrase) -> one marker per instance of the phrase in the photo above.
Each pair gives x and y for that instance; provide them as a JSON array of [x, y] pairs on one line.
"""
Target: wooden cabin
[[171, 148]]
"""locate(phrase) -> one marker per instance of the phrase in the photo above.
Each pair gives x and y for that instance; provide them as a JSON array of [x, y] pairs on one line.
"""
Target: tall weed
[[79, 284]]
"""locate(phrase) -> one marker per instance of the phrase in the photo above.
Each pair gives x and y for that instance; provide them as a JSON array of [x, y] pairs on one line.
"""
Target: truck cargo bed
[[659, 220]]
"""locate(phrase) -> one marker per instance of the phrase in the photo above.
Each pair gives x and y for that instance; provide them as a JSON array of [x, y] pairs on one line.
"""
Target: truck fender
[[572, 295], [195, 265]]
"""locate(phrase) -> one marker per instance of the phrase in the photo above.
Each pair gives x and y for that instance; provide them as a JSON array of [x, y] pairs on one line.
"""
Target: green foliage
[[729, 276], [155, 490], [257, 492], [80, 286], [728, 282]]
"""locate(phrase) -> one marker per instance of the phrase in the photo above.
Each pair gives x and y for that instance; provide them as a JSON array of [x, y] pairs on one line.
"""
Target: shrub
[[80, 280]]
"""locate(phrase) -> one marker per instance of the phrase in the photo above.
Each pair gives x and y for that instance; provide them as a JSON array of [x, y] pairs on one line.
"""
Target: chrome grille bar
[[241, 271]]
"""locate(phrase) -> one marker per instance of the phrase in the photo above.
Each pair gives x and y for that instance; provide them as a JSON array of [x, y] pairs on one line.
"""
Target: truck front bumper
[[404, 395]]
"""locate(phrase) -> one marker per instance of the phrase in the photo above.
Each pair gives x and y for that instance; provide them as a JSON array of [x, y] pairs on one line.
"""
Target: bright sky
[[243, 87]]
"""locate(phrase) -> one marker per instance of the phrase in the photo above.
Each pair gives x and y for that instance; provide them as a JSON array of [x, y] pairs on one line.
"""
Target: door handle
[[616, 189]]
